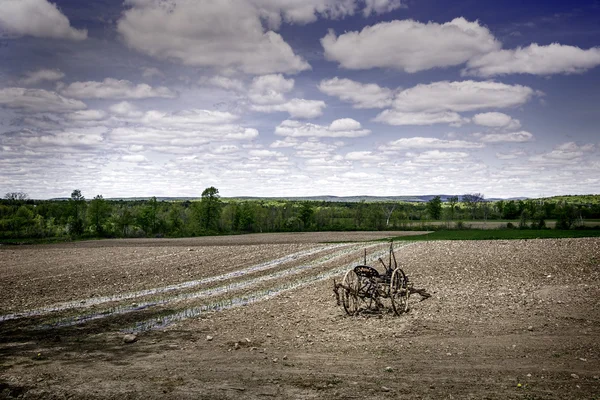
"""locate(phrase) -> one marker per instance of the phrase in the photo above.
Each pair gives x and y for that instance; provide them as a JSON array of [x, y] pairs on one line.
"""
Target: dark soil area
[[513, 319]]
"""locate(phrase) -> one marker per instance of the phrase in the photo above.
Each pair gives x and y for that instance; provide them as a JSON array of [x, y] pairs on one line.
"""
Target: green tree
[[123, 219], [472, 201], [499, 206], [148, 217], [539, 220], [510, 210], [452, 201], [434, 207], [175, 222], [566, 216], [23, 220], [98, 212], [77, 203], [245, 217], [375, 216], [210, 209], [306, 214], [525, 216], [359, 214]]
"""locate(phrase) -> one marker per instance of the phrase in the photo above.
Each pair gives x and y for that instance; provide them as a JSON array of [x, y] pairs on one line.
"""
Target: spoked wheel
[[399, 291], [351, 285]]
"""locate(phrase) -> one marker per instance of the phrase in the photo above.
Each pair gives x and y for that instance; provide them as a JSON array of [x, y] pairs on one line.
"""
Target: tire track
[[216, 291], [260, 295], [93, 301]]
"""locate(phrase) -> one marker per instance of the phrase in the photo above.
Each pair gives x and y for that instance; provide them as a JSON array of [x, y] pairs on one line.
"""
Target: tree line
[[21, 217]]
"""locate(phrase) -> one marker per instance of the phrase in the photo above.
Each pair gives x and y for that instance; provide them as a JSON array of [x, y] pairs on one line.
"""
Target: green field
[[495, 234]]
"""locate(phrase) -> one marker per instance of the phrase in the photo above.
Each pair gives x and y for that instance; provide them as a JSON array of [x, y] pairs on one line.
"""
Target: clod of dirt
[[129, 338]]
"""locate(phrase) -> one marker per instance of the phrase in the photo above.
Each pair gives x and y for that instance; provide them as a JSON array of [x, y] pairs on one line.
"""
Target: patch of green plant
[[501, 234]]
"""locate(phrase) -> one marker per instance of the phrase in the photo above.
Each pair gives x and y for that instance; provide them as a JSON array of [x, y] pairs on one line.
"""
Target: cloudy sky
[[299, 97]]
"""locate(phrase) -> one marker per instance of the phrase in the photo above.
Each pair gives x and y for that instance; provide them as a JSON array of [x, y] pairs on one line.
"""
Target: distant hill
[[574, 199], [340, 199], [355, 199], [136, 198]]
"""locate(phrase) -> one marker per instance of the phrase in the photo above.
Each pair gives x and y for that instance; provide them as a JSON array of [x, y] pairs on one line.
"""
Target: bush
[[524, 220], [461, 225], [510, 225], [566, 217]]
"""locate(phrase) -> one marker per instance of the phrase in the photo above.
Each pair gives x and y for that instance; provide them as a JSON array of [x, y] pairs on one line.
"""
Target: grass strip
[[501, 234]]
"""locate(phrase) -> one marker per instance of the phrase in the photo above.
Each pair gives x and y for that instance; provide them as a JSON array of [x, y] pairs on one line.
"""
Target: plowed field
[[255, 317]]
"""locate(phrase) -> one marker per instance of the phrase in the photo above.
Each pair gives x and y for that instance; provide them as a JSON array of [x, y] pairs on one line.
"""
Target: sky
[[299, 97]]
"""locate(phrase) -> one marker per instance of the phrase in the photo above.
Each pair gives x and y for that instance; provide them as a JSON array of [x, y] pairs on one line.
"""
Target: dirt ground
[[255, 317]]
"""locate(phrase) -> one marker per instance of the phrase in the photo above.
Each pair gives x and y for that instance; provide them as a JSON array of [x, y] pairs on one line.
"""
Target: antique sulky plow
[[364, 288]]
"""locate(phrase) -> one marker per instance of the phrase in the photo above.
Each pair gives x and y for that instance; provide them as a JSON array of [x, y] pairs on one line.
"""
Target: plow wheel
[[399, 291], [351, 286]]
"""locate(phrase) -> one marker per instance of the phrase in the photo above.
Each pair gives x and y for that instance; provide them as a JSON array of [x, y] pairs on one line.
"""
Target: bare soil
[[506, 320]]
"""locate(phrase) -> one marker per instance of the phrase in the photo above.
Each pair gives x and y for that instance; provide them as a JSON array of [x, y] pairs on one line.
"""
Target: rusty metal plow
[[365, 289]]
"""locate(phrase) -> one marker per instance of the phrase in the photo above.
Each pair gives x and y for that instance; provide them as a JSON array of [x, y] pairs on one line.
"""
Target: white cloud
[[186, 119], [512, 137], [302, 11], [428, 143], [179, 132], [574, 147], [134, 158], [307, 11], [125, 109], [220, 34], [173, 140], [336, 129], [227, 83], [344, 124], [461, 96], [534, 59], [312, 148], [35, 77], [285, 143], [66, 139], [436, 156], [410, 45], [271, 171], [149, 72], [87, 115], [367, 156], [37, 100], [566, 153], [267, 93], [115, 89], [297, 108], [38, 18], [361, 95], [380, 6], [270, 89], [394, 117], [496, 120], [327, 164], [262, 153], [441, 102], [510, 155], [226, 149]]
